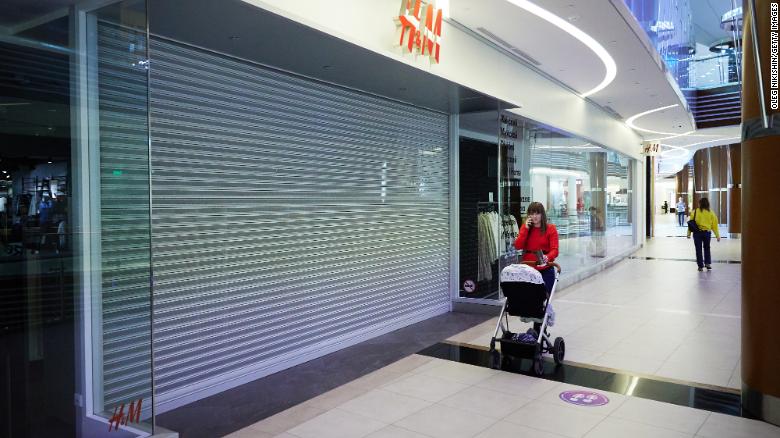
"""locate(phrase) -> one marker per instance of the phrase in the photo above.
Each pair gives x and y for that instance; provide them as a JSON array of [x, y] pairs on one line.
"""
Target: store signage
[[650, 148], [120, 419], [420, 23], [584, 398]]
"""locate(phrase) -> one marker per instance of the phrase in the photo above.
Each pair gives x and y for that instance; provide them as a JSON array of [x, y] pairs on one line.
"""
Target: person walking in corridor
[[681, 211], [706, 222]]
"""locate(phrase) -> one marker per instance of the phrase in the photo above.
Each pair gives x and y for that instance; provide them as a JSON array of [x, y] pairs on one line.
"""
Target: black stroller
[[526, 298]]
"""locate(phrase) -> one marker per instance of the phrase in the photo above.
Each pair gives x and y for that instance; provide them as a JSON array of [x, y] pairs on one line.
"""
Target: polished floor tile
[[552, 417], [337, 424], [724, 426], [440, 421], [679, 418], [384, 406], [425, 387], [490, 403], [619, 428], [392, 431], [505, 429]]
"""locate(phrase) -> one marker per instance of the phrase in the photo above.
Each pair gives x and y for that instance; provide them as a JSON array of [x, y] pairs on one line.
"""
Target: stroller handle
[[534, 265]]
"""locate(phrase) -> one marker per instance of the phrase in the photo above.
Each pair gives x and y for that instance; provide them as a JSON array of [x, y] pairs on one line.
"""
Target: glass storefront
[[74, 222], [507, 162]]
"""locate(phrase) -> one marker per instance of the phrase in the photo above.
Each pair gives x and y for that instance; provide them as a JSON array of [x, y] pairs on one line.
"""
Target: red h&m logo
[[119, 417], [424, 31]]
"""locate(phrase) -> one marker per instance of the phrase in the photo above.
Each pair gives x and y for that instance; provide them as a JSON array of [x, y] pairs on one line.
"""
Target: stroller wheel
[[559, 350], [538, 365]]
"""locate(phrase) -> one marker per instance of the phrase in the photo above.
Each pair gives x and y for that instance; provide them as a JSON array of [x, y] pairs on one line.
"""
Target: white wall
[[467, 61]]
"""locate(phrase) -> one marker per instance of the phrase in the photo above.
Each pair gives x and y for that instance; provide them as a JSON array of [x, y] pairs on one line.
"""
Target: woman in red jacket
[[538, 235]]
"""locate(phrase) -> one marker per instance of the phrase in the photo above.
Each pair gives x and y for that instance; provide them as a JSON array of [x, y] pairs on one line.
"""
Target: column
[[571, 200], [597, 170], [701, 176], [734, 188], [760, 239]]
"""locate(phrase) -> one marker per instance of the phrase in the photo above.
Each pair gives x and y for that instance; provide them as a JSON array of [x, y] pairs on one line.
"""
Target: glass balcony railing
[[706, 72]]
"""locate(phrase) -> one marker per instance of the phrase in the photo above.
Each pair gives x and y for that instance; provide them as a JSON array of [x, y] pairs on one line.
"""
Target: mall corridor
[[293, 218], [657, 338]]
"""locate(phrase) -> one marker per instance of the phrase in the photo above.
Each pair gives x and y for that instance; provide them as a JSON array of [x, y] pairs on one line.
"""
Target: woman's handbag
[[693, 227]]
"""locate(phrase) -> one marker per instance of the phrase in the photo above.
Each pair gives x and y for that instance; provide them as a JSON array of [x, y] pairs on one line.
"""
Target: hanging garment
[[486, 246], [509, 233]]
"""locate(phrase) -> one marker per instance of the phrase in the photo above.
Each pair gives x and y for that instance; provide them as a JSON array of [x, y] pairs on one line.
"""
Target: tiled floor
[[421, 397], [658, 317]]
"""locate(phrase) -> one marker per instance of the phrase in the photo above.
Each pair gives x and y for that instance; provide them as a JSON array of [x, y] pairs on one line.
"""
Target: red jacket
[[547, 242]]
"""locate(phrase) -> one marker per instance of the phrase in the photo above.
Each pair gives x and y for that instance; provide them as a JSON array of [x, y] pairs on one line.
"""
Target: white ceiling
[[642, 82]]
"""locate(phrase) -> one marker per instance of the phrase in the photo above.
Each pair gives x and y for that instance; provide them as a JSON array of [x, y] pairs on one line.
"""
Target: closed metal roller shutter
[[125, 305], [288, 215]]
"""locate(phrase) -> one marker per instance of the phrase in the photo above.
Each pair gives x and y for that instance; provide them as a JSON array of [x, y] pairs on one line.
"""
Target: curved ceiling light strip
[[598, 49], [689, 134], [701, 142], [630, 120], [670, 149]]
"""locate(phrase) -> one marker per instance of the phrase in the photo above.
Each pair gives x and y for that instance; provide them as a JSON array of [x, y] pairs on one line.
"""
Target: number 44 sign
[[584, 398]]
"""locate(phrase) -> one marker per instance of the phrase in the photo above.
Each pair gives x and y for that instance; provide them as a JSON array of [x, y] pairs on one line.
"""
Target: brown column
[[735, 188], [760, 239], [713, 186], [701, 176]]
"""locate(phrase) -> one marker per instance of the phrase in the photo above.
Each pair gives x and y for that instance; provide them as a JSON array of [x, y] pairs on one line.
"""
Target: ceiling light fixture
[[701, 142], [630, 120], [598, 49]]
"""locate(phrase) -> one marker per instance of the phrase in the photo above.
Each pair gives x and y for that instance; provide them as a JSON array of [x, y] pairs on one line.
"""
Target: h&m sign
[[650, 148], [420, 23]]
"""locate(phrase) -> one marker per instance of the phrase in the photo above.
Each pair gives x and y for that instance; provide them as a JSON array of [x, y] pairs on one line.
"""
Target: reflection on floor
[[657, 317], [421, 396]]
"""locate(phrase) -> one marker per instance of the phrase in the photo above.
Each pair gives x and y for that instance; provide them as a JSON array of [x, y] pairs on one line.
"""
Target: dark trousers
[[548, 275], [681, 217], [701, 241]]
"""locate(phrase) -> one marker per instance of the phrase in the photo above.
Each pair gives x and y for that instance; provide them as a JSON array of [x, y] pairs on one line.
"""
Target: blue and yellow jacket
[[706, 220]]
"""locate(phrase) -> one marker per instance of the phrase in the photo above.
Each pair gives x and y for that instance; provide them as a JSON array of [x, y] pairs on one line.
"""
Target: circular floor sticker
[[584, 398]]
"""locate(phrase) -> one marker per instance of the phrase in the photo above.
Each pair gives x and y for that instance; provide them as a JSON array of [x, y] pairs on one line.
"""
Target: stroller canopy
[[521, 273]]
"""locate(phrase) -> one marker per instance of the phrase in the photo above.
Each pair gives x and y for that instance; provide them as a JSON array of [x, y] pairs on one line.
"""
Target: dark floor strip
[[712, 400], [247, 404], [730, 262]]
